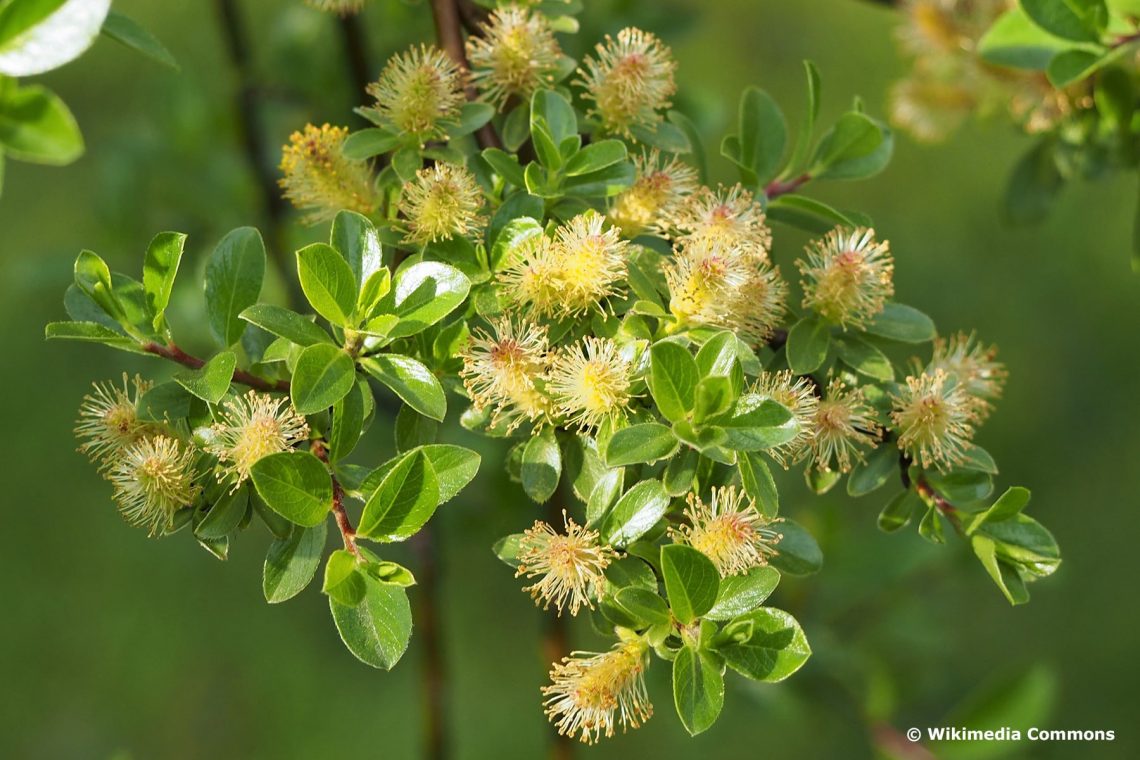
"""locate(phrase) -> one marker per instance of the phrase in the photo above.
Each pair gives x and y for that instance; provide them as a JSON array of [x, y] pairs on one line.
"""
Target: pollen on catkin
[[974, 366], [442, 202], [250, 427], [153, 479], [570, 274], [589, 381], [728, 217], [109, 420], [847, 276], [503, 369], [797, 394], [319, 179], [570, 566], [514, 54], [629, 79], [418, 91], [661, 187], [844, 422], [729, 530], [721, 286], [591, 692], [935, 417]]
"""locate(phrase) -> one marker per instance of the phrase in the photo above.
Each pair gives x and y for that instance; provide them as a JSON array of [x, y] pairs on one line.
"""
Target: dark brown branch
[[176, 354], [246, 108], [434, 673], [449, 32], [473, 16], [776, 188], [355, 53]]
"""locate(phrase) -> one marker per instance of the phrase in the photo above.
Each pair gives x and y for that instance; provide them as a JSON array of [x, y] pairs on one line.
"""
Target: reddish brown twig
[[175, 354], [776, 188], [343, 523], [449, 31]]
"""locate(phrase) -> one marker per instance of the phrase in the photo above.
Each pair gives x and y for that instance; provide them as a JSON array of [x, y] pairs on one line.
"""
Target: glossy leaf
[[292, 562], [233, 282], [634, 514], [691, 581], [636, 444], [211, 381], [376, 630], [411, 381], [541, 466], [295, 485], [328, 283], [698, 689], [422, 294], [323, 375], [403, 502], [776, 649]]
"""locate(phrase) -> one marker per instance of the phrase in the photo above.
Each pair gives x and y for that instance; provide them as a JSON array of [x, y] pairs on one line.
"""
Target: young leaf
[[376, 630], [422, 294], [637, 444], [776, 649], [898, 511], [691, 581], [411, 381], [43, 35], [595, 157], [698, 689], [673, 378], [763, 133], [355, 237], [287, 324], [635, 513], [404, 501], [292, 562], [741, 594], [323, 375], [159, 268], [295, 485], [233, 282], [212, 380], [328, 283], [343, 580]]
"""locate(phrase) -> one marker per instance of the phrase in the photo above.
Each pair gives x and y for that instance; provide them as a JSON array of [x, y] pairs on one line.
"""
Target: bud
[[514, 54], [847, 276], [441, 203], [843, 423], [571, 565], [655, 197], [589, 690], [935, 417], [797, 394], [250, 427], [590, 382], [319, 179], [153, 479], [629, 81], [734, 535], [109, 421], [418, 90], [713, 284], [572, 273], [502, 370], [975, 368], [730, 217]]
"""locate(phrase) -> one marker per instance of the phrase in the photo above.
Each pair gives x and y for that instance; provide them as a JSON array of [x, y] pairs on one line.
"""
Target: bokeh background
[[113, 645]]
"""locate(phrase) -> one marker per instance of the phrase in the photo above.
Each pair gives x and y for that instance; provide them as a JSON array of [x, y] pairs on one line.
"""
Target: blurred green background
[[114, 645]]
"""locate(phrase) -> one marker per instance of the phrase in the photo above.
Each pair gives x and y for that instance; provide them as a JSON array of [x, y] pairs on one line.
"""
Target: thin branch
[[347, 532], [927, 492], [434, 673], [449, 32], [248, 113], [355, 52], [472, 15], [175, 354], [776, 188]]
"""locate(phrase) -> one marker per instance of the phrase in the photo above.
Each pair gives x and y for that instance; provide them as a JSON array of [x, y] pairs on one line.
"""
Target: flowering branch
[[175, 354]]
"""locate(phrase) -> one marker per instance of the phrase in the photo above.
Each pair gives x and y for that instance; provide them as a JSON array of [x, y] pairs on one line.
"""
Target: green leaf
[[364, 144], [556, 112], [715, 396], [902, 323], [212, 380], [41, 35], [637, 444], [1015, 41], [595, 156], [505, 165], [125, 30], [91, 332], [93, 277], [378, 629], [644, 605], [1022, 541], [691, 581], [1034, 184], [541, 466], [292, 562], [1068, 19], [411, 381], [454, 468], [422, 294], [741, 594], [328, 283], [233, 282], [1008, 505], [720, 357], [808, 213], [159, 268], [287, 324], [35, 125], [224, 516], [763, 133], [634, 514], [698, 689], [872, 474], [1115, 97], [406, 162], [511, 238], [808, 341], [1070, 66], [413, 429], [672, 138], [347, 421], [405, 499], [898, 511], [798, 552], [758, 483], [857, 147], [603, 183], [758, 423], [803, 142], [343, 581], [472, 116], [323, 375], [864, 358], [776, 649], [673, 378], [295, 485], [1003, 573], [355, 237]]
